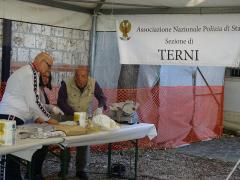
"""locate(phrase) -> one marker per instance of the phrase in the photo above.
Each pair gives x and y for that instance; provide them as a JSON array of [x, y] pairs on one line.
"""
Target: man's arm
[[50, 121], [98, 93], [62, 100], [31, 95]]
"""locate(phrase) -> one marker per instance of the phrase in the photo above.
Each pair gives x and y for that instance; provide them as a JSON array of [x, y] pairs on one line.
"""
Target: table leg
[[30, 170], [136, 159], [109, 171], [64, 156], [109, 159], [135, 142], [2, 166]]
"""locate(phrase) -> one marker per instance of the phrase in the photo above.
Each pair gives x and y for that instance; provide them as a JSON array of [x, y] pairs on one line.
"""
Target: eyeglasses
[[49, 65]]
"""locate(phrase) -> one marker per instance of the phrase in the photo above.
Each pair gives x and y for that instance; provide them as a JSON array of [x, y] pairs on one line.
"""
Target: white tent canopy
[[34, 13], [77, 13]]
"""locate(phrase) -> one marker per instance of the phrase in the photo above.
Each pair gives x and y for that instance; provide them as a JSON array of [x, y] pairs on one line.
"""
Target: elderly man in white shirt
[[21, 100]]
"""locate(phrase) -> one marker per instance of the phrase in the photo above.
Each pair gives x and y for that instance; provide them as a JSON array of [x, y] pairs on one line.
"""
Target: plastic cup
[[80, 118], [76, 117]]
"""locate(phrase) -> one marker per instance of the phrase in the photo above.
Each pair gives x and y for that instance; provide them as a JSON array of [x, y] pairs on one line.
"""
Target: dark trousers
[[13, 165], [37, 160], [82, 158], [12, 168]]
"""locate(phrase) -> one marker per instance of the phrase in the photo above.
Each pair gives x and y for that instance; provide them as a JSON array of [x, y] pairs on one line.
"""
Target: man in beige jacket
[[76, 95]]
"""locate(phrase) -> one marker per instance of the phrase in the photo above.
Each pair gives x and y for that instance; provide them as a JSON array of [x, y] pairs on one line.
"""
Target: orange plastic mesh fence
[[181, 114], [2, 89]]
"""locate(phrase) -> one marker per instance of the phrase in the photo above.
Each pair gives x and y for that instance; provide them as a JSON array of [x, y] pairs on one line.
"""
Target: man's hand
[[56, 110], [39, 121], [98, 111], [52, 121]]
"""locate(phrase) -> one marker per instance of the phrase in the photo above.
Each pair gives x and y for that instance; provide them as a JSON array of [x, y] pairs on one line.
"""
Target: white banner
[[195, 40]]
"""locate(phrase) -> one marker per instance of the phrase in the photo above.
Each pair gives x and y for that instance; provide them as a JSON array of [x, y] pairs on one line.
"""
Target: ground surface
[[209, 160]]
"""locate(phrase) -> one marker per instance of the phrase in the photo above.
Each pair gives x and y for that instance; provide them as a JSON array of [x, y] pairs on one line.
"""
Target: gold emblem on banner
[[125, 28]]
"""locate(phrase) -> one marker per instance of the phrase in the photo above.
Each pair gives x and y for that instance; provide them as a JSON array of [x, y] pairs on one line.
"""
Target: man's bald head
[[43, 62], [81, 76]]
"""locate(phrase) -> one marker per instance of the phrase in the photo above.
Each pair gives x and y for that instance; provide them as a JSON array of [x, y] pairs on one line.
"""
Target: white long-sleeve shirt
[[21, 96], [48, 107]]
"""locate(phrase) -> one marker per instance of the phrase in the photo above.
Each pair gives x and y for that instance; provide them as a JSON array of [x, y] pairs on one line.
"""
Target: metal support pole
[[109, 159], [65, 157], [194, 83], [93, 44], [31, 170], [6, 49], [211, 91], [3, 159], [136, 159]]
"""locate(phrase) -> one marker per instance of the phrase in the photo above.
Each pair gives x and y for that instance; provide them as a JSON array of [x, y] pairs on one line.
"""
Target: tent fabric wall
[[106, 23], [1, 39], [185, 113], [182, 112], [213, 75], [29, 12], [232, 89], [232, 104], [107, 66]]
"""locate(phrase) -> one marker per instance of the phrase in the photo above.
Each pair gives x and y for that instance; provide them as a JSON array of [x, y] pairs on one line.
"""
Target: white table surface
[[24, 148], [126, 132]]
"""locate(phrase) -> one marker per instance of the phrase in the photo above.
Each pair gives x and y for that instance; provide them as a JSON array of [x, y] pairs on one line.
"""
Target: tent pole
[[194, 83], [93, 38], [6, 49], [93, 44]]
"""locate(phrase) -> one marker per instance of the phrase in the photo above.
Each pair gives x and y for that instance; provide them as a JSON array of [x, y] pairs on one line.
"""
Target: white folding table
[[25, 148], [124, 133]]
